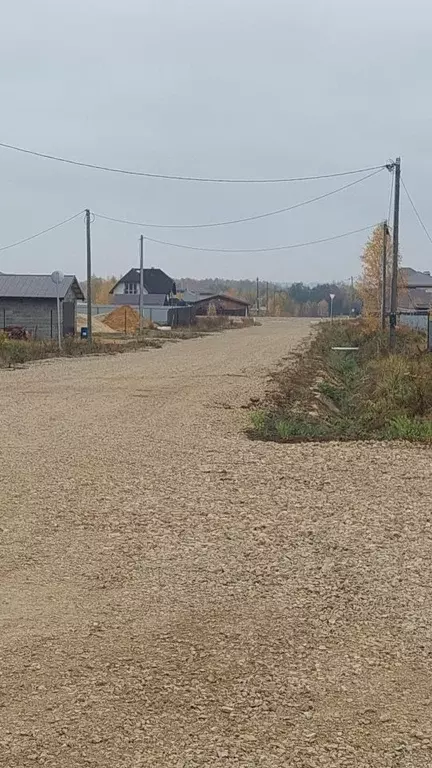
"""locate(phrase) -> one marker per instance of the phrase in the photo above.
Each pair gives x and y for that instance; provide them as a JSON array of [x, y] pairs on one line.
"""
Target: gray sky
[[229, 88]]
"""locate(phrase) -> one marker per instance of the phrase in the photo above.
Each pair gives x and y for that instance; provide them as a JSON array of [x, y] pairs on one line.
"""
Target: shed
[[221, 304], [30, 302]]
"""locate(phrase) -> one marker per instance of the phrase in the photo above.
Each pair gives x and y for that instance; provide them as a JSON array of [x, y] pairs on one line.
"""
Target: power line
[[172, 177], [257, 250], [422, 224], [247, 218], [43, 232]]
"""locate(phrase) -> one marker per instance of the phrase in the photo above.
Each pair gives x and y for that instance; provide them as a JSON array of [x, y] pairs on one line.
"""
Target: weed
[[363, 394], [408, 428]]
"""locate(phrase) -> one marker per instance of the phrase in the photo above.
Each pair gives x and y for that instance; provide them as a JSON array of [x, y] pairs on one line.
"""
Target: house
[[411, 278], [416, 291], [30, 302], [221, 304], [158, 288]]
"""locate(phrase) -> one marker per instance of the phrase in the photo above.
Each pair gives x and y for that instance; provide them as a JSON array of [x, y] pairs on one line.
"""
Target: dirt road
[[176, 596]]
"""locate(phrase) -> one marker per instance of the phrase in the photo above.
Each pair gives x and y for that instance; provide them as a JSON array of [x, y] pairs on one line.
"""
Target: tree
[[369, 285]]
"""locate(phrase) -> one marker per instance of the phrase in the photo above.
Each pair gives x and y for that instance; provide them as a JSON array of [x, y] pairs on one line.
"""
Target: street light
[[332, 298], [57, 278]]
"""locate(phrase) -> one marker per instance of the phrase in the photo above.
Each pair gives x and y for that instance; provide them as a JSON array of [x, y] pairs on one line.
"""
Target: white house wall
[[119, 290]]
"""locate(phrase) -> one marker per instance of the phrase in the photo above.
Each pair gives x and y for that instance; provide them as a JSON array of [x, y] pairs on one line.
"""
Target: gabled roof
[[155, 280], [224, 296], [414, 279], [37, 287]]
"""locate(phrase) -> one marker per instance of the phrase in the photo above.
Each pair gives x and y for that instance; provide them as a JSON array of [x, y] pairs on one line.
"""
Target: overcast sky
[[237, 88]]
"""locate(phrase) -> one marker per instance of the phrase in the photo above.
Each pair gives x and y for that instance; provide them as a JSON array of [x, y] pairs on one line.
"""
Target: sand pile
[[98, 324], [123, 319]]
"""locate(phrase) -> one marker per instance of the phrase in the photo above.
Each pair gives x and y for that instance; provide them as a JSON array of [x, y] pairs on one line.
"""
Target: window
[[131, 288]]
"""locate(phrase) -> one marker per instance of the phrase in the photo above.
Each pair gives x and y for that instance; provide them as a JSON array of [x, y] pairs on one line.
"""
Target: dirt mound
[[123, 319], [98, 324]]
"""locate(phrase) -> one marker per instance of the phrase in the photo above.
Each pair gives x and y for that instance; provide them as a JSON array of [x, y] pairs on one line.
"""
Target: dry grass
[[176, 595], [363, 394]]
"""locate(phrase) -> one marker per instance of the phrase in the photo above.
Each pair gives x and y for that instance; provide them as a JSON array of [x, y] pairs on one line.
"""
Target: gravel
[[175, 595]]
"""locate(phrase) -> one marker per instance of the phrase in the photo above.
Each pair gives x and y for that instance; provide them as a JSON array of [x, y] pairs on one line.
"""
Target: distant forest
[[297, 299]]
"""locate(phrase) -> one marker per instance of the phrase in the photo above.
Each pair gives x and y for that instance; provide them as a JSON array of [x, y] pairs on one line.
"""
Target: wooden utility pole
[[384, 276], [141, 295], [89, 276], [257, 296], [395, 261]]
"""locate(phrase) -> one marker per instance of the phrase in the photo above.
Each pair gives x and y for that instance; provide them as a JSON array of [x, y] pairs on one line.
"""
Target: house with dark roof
[[416, 290], [221, 304], [158, 288], [30, 302]]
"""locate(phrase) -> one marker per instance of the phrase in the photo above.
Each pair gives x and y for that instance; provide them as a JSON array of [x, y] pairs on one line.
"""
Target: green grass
[[359, 395]]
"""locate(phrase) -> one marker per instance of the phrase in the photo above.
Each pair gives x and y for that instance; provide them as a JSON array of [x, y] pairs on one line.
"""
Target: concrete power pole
[[89, 276], [395, 262], [141, 295], [384, 276], [257, 296]]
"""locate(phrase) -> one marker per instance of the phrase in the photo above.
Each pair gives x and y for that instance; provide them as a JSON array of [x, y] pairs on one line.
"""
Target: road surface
[[176, 596]]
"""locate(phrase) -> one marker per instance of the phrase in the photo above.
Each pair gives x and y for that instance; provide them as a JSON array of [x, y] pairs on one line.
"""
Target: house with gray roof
[[416, 290], [30, 302]]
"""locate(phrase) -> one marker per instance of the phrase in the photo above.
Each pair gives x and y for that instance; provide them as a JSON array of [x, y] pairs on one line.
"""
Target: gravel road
[[176, 596]]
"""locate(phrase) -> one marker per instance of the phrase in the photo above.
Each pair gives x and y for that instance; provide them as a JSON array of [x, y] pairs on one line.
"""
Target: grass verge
[[14, 352], [324, 394]]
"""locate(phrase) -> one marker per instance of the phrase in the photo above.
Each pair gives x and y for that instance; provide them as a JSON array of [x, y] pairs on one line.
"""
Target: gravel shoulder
[[173, 595]]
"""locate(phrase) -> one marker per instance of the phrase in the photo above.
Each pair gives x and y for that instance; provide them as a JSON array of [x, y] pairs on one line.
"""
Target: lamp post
[[57, 278], [332, 298]]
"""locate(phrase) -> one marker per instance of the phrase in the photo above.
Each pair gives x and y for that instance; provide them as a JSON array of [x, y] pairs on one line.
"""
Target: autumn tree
[[370, 284]]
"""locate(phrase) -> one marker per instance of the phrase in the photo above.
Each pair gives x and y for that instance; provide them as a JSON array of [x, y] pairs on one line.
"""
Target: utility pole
[[394, 283], [141, 295], [384, 276], [89, 276], [267, 299], [257, 292]]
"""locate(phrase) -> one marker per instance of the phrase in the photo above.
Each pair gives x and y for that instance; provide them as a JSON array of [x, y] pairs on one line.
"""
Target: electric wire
[[42, 232], [258, 250], [246, 218], [419, 218], [173, 177]]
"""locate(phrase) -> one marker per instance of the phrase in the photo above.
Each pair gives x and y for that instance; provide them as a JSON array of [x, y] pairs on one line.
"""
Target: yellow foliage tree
[[101, 291], [370, 284]]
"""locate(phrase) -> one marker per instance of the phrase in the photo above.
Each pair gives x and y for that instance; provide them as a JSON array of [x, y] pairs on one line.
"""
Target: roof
[[414, 298], [149, 299], [37, 287], [155, 280], [224, 296], [154, 299], [414, 279]]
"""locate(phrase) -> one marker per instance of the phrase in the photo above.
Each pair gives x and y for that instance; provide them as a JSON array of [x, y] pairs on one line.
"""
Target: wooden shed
[[221, 304]]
